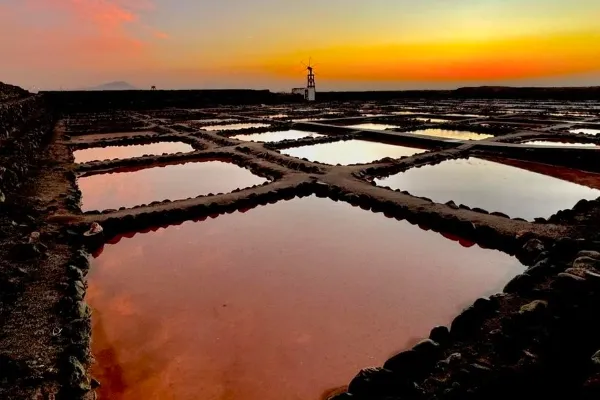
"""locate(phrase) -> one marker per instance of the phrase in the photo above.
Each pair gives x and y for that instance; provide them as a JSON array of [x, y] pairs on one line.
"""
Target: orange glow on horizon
[[459, 60], [186, 44]]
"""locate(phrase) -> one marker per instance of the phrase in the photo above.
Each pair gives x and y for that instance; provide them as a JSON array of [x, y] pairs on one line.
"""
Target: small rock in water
[[95, 228]]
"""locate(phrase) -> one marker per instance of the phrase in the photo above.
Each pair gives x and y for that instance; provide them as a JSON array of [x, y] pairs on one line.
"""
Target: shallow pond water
[[351, 152], [268, 137], [235, 126], [557, 143], [180, 181], [492, 186], [286, 301], [122, 152], [451, 134], [586, 131], [374, 126]]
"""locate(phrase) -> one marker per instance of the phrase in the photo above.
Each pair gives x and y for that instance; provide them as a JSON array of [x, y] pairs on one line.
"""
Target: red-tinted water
[[286, 301], [128, 189], [121, 152]]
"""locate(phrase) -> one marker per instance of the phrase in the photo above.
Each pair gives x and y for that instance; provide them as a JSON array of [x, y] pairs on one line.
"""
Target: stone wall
[[25, 125]]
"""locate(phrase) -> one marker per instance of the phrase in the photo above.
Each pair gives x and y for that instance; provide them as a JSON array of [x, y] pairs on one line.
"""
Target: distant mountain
[[119, 85]]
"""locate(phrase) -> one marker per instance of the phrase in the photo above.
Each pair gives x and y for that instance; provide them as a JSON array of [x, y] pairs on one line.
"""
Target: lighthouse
[[310, 84]]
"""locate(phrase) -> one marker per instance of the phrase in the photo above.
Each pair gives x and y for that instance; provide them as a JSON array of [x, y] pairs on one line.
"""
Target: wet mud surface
[[506, 345]]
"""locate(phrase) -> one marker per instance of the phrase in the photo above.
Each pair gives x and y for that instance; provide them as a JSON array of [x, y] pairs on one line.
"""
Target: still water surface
[[491, 186], [558, 144], [374, 126], [286, 301], [267, 137], [587, 131], [128, 189], [351, 152], [122, 152], [450, 134]]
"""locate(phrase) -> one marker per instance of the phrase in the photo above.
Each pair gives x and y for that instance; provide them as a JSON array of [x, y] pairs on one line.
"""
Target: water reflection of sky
[[128, 189], [587, 131], [122, 152], [372, 125], [558, 144], [267, 137], [286, 301], [451, 134], [491, 186], [350, 152]]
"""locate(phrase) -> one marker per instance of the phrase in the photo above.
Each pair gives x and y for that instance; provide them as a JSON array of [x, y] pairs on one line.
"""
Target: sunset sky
[[357, 44]]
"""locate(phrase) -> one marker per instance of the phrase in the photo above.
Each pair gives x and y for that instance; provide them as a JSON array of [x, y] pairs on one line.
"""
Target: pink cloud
[[160, 35], [91, 35]]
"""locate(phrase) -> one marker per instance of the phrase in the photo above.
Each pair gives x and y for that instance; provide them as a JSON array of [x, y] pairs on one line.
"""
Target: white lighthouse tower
[[310, 84]]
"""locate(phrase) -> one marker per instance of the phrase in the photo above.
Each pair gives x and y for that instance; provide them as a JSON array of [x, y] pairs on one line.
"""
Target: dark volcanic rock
[[520, 283], [531, 250], [440, 334]]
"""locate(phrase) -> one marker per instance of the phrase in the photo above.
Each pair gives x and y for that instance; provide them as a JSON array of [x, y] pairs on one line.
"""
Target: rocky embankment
[[10, 93], [24, 127], [31, 348]]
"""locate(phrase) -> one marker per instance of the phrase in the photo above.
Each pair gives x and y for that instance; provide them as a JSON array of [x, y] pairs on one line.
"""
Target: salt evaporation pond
[[268, 137], [586, 131], [351, 152], [452, 134], [230, 127], [557, 144], [374, 126], [122, 152], [173, 182], [492, 186], [286, 301]]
